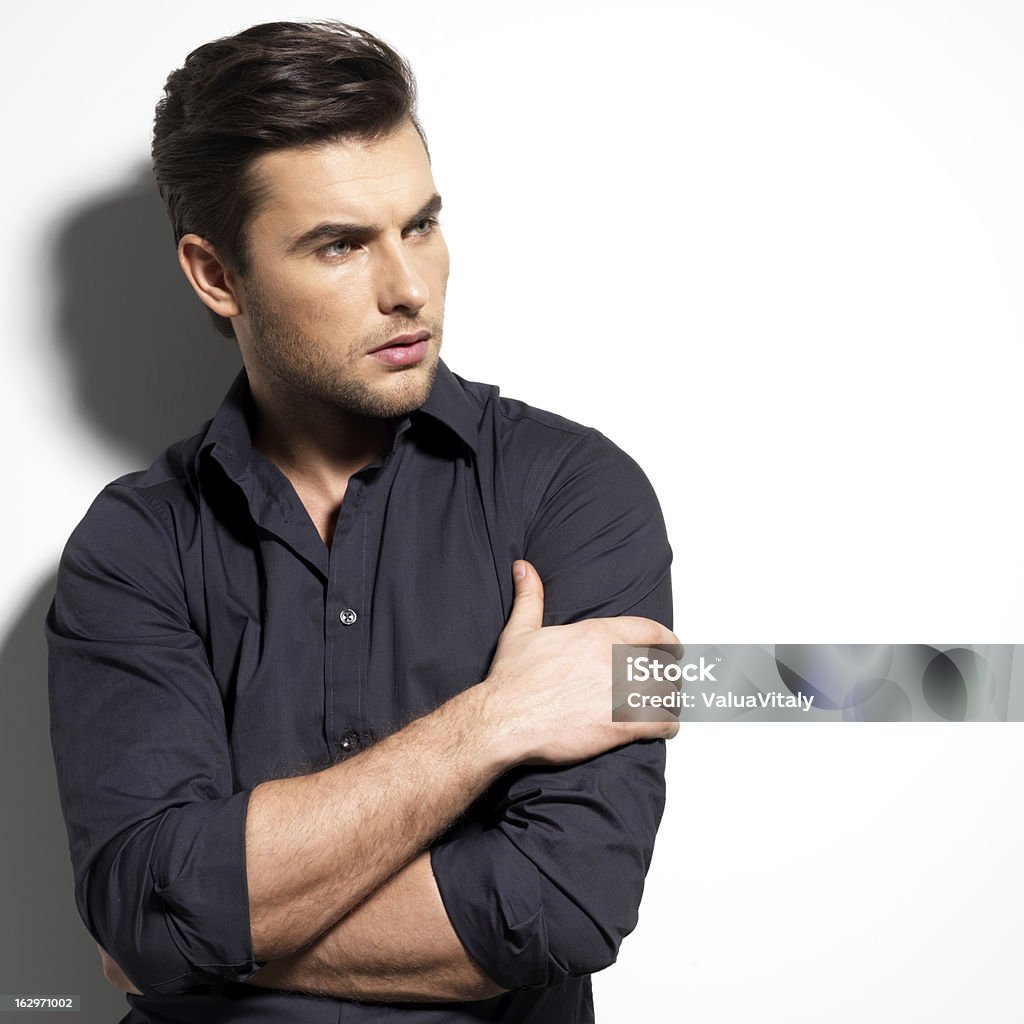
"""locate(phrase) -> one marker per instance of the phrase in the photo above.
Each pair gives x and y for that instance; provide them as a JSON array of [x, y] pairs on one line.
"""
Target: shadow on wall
[[45, 948], [147, 368], [145, 361]]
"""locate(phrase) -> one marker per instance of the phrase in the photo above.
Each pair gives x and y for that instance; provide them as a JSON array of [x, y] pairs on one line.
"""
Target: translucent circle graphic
[[832, 673], [958, 684], [877, 700]]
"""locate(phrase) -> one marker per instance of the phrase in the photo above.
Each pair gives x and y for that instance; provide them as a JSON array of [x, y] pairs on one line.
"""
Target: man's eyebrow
[[330, 231], [431, 208]]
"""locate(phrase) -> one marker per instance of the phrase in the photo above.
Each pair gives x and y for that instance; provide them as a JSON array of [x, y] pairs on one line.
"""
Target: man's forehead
[[349, 179]]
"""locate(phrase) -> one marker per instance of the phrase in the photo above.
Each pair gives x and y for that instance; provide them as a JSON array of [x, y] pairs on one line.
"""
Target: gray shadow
[[147, 368], [45, 947], [146, 365]]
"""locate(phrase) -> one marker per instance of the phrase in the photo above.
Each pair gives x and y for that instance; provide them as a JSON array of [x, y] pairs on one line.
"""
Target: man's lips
[[403, 339], [403, 350]]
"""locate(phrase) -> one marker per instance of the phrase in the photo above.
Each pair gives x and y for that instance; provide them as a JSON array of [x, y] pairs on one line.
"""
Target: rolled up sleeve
[[547, 883], [155, 828]]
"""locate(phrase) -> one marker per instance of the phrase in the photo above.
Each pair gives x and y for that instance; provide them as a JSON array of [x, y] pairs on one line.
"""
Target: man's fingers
[[528, 607], [647, 633]]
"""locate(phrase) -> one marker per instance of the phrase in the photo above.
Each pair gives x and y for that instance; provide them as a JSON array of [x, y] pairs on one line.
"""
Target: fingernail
[[518, 570]]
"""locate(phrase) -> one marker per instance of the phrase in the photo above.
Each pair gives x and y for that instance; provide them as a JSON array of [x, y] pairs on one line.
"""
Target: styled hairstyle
[[274, 86]]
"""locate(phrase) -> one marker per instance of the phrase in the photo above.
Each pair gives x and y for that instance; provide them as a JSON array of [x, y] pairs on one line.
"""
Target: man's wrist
[[488, 728]]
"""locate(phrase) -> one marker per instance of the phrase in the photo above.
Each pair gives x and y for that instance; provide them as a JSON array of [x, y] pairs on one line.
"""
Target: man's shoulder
[[544, 448], [591, 522], [160, 499], [121, 571], [514, 418]]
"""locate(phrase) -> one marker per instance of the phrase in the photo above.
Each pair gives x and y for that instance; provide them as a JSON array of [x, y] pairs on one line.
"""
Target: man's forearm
[[318, 845], [398, 945]]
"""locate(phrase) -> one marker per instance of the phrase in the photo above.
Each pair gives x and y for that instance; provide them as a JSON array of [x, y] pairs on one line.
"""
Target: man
[[328, 748]]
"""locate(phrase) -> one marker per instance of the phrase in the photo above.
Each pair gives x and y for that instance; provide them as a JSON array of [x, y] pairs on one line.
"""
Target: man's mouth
[[403, 350]]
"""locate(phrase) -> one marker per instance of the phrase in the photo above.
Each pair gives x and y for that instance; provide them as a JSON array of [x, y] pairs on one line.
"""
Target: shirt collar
[[449, 403]]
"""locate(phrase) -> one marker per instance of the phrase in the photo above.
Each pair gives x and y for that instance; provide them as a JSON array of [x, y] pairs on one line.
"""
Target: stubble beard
[[309, 373]]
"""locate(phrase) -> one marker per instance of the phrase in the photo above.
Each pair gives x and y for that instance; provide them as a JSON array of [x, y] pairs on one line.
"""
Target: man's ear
[[210, 278]]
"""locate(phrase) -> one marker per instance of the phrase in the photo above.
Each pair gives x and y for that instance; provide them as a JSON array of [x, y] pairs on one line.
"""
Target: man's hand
[[113, 973], [550, 688]]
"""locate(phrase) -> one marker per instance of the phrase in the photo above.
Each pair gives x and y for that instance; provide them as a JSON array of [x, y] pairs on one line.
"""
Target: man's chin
[[400, 393]]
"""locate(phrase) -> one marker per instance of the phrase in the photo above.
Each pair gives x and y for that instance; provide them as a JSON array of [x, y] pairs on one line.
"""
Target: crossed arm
[[341, 897], [364, 918], [397, 945]]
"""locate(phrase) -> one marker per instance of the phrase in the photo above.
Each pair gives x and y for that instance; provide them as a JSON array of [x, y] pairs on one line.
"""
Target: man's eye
[[340, 247], [425, 226]]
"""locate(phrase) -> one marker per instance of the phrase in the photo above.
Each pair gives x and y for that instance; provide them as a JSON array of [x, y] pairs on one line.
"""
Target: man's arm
[[552, 883], [565, 860], [318, 845], [184, 881], [397, 945]]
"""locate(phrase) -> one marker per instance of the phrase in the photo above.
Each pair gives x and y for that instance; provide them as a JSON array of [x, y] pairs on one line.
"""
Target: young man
[[320, 729]]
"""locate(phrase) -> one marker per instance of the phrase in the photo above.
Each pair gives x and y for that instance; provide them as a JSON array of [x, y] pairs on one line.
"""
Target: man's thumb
[[528, 609]]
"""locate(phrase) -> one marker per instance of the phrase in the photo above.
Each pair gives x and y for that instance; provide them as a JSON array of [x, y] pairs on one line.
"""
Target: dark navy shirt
[[204, 639]]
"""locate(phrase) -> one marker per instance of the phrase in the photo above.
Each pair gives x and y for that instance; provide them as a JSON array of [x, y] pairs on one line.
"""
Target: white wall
[[774, 251]]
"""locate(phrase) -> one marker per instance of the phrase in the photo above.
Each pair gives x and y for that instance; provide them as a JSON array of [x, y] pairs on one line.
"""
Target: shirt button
[[347, 616]]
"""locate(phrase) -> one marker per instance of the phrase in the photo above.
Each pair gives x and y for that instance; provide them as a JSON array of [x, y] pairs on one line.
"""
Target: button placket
[[345, 718]]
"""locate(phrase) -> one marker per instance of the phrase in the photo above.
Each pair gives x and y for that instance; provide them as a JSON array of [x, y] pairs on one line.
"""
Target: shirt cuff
[[492, 896], [193, 927]]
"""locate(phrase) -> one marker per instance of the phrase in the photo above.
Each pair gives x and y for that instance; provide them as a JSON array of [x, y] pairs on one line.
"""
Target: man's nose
[[400, 286]]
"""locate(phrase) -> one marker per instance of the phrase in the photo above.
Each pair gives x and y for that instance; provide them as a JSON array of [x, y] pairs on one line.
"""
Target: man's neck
[[319, 447]]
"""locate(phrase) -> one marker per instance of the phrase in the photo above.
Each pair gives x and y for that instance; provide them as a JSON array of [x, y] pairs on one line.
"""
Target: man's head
[[299, 188]]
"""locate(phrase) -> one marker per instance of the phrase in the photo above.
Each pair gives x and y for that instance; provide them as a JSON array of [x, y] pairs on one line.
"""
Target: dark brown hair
[[273, 86]]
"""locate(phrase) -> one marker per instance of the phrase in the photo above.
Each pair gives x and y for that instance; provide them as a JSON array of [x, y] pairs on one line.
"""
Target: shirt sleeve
[[549, 882], [155, 828]]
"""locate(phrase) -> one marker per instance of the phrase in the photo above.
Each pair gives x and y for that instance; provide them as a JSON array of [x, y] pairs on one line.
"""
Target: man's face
[[344, 300]]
